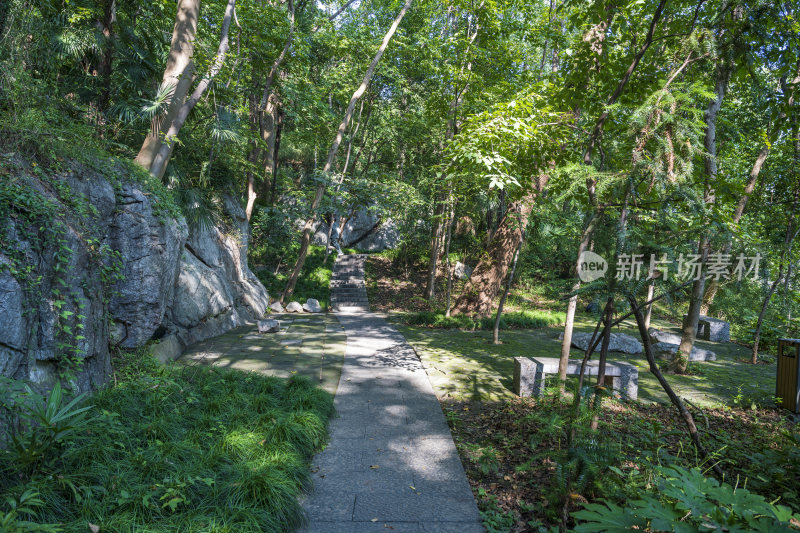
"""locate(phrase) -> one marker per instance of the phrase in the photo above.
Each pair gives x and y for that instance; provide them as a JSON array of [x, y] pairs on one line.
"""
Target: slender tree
[[329, 164]]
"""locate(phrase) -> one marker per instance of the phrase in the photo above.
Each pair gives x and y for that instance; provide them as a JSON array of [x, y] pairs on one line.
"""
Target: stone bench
[[712, 329], [530, 374]]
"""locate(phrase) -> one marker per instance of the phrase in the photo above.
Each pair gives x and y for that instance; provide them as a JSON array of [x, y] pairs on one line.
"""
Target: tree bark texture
[[487, 277], [164, 152], [178, 76]]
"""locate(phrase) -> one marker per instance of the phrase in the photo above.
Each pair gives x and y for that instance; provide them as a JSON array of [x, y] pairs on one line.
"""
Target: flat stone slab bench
[[712, 329], [530, 374]]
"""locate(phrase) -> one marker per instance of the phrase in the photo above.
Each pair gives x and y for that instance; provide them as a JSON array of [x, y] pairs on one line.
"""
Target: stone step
[[351, 307], [349, 290]]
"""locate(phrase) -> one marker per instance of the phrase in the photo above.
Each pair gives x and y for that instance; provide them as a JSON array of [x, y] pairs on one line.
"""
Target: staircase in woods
[[348, 289]]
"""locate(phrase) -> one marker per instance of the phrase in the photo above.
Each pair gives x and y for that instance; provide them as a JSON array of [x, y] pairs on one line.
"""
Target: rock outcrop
[[294, 307], [461, 271], [312, 306], [365, 231], [150, 247], [619, 342], [668, 350], [106, 265]]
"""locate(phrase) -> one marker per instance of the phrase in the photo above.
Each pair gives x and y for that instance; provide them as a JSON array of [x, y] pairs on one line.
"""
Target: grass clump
[[514, 320], [314, 281], [175, 449]]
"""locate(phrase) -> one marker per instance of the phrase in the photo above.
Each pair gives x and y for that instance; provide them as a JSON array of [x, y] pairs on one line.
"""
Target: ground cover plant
[[315, 282], [516, 454], [516, 457], [183, 448], [466, 365]]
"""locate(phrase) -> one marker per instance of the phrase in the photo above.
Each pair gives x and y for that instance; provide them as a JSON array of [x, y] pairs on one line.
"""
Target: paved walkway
[[311, 345], [391, 463]]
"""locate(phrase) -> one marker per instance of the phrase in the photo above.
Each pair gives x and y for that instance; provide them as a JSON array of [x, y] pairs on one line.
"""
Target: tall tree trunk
[[165, 150], [713, 284], [596, 37], [572, 305], [253, 157], [268, 128], [651, 289], [449, 237], [496, 335], [451, 131], [274, 185], [178, 77], [329, 164], [433, 261], [752, 180], [269, 110], [787, 246], [105, 68], [723, 76], [487, 277]]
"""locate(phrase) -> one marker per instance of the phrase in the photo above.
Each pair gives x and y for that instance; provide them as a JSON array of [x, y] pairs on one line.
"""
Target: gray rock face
[[224, 249], [294, 307], [663, 336], [364, 231], [179, 285], [216, 290], [150, 249], [619, 342], [711, 329], [461, 271], [667, 350], [63, 313], [367, 232], [276, 307], [312, 306], [268, 326], [200, 293], [13, 326]]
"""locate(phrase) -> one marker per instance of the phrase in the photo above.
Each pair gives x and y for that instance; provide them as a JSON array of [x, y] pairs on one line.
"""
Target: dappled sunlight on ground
[[308, 345], [466, 366]]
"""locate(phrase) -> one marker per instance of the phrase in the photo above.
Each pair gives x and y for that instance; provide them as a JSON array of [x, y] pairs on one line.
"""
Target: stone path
[[348, 290], [312, 346], [391, 463]]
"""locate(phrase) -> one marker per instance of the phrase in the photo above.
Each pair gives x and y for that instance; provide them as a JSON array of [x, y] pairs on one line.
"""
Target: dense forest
[[173, 169]]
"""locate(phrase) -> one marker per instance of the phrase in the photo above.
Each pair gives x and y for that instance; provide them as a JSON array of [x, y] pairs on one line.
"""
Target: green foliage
[[777, 468], [494, 519], [682, 499], [45, 423], [22, 514], [532, 319], [314, 283], [180, 448]]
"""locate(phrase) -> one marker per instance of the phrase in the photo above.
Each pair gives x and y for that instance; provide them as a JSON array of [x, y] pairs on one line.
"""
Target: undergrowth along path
[[391, 461]]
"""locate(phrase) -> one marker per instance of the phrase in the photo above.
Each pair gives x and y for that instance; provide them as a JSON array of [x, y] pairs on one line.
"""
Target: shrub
[[515, 320], [179, 449], [683, 499]]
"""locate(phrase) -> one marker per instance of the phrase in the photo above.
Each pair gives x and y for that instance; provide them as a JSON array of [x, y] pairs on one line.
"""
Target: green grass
[[314, 281], [180, 449], [465, 365], [319, 357], [530, 319]]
